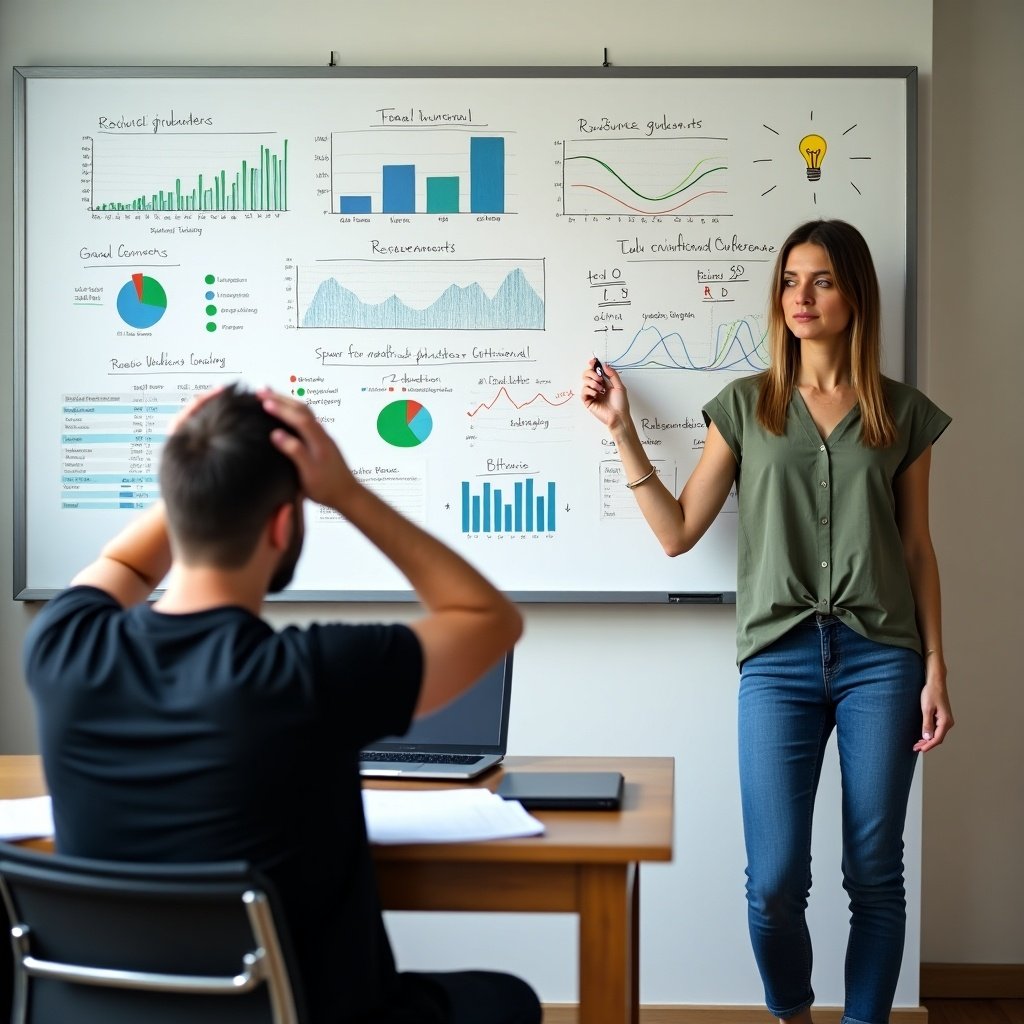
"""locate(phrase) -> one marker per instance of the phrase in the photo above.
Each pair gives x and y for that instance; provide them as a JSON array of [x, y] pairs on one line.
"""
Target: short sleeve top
[[817, 518], [212, 736]]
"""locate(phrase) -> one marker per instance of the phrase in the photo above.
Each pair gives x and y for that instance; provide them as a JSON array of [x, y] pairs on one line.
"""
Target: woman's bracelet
[[643, 479]]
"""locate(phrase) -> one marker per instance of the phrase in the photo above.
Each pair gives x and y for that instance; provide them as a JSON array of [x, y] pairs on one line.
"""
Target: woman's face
[[811, 303]]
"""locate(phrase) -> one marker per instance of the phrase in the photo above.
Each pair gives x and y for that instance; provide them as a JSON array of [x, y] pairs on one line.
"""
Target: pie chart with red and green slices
[[142, 301], [404, 424]]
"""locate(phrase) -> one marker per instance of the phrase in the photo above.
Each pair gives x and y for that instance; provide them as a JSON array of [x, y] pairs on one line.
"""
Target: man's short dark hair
[[221, 478]]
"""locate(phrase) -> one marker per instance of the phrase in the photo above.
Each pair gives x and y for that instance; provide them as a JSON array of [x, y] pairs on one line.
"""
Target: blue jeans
[[821, 675]]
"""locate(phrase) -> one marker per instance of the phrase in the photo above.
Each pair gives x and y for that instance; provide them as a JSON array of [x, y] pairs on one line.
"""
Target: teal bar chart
[[438, 177], [520, 506]]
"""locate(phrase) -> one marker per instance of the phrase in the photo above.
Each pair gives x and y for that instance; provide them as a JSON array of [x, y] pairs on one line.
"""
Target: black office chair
[[103, 942]]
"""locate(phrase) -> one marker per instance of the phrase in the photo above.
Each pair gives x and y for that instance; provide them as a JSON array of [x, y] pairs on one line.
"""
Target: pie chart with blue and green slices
[[142, 301], [405, 423]]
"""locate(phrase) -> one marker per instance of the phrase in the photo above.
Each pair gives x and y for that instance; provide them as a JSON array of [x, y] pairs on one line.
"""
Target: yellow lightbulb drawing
[[812, 149]]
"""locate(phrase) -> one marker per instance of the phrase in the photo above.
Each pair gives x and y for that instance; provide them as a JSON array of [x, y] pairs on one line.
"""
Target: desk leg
[[634, 999], [609, 941]]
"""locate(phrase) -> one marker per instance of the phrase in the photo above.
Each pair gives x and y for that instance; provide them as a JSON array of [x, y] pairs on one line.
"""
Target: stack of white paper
[[444, 816], [392, 816], [28, 818]]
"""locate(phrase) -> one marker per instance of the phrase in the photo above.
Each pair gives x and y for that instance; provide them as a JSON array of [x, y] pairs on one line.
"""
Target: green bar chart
[[179, 174]]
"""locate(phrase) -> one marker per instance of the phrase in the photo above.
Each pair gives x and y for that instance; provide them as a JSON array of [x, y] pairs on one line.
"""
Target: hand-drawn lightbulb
[[812, 149]]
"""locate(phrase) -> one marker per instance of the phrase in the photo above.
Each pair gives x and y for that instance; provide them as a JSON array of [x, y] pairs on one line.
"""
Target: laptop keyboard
[[414, 758]]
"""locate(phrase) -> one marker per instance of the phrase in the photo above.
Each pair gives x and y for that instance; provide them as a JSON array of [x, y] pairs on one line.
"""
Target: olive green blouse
[[817, 523]]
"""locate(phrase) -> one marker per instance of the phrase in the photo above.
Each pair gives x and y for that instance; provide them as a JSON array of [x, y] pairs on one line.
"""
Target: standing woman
[[838, 609]]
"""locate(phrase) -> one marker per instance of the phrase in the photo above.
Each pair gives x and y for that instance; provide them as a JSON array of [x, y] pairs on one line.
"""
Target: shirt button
[[824, 565], [824, 483], [822, 448], [824, 520]]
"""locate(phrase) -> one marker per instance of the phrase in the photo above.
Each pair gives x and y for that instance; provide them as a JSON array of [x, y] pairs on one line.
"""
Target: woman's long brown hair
[[853, 274]]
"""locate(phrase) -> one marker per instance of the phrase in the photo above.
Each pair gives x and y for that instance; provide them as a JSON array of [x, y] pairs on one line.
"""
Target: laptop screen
[[478, 718]]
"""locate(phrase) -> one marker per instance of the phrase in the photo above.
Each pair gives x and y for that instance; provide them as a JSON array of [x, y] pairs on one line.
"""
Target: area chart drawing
[[419, 296]]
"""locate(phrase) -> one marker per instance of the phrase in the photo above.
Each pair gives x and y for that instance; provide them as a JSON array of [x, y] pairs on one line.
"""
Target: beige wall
[[970, 345], [973, 886]]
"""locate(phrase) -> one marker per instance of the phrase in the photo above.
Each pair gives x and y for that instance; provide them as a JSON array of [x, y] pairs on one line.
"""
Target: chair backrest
[[105, 942]]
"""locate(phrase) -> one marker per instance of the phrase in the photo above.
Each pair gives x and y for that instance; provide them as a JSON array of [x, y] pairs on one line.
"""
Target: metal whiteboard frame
[[22, 592]]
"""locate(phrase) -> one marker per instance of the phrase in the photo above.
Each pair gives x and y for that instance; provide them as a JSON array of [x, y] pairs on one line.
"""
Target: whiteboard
[[428, 257]]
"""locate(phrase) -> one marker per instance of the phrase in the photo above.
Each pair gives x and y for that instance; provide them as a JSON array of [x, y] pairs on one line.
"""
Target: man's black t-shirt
[[210, 736]]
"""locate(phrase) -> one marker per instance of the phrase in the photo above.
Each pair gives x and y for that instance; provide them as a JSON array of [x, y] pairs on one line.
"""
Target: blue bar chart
[[354, 204], [399, 188], [487, 175], [518, 506], [441, 172]]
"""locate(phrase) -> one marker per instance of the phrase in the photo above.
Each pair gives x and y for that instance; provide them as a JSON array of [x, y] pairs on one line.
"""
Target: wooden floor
[[939, 1011], [974, 1011]]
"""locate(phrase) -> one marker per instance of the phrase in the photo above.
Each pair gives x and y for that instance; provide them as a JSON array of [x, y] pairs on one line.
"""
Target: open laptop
[[461, 740]]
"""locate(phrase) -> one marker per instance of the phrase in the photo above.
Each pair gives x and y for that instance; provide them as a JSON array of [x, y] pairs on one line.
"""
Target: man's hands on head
[[467, 624], [191, 408], [323, 472]]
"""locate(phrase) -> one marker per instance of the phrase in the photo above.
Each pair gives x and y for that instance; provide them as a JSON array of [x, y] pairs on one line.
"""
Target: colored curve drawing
[[688, 179], [653, 213], [737, 346], [624, 172], [519, 405]]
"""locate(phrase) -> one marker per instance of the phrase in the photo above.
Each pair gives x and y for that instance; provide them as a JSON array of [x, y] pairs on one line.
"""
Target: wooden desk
[[587, 863]]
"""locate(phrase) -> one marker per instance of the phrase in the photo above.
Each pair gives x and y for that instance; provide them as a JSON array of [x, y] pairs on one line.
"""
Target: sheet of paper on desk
[[392, 816], [444, 816], [28, 818]]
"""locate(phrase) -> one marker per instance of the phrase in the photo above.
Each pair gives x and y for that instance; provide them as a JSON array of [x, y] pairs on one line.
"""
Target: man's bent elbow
[[508, 625]]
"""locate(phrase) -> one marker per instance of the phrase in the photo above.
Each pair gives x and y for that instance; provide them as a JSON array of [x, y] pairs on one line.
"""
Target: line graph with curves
[[527, 418], [684, 176], [560, 399], [739, 346]]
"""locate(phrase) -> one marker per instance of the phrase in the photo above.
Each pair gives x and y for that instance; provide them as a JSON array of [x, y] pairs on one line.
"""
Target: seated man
[[190, 730]]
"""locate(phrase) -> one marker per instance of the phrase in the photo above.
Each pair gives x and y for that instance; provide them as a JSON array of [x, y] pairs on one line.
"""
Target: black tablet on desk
[[577, 791]]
